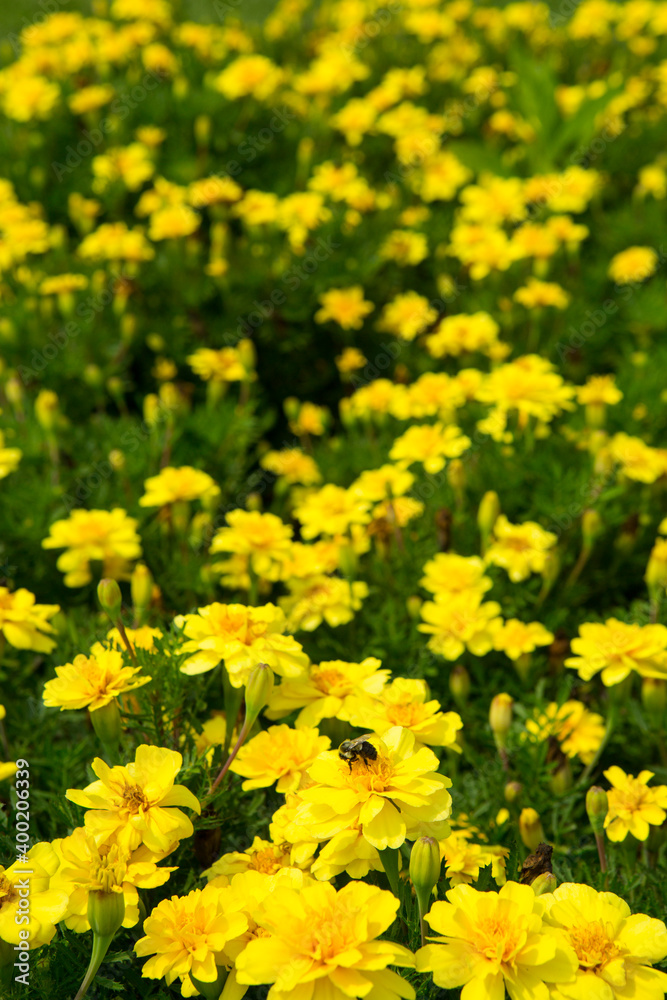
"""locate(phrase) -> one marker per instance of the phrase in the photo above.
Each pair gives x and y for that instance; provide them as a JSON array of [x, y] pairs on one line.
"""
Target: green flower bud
[[500, 718], [597, 806], [425, 866], [487, 513], [106, 722], [654, 697], [513, 790], [591, 527], [546, 882], [141, 586], [530, 829], [414, 604], [258, 691], [459, 684], [106, 912], [109, 596]]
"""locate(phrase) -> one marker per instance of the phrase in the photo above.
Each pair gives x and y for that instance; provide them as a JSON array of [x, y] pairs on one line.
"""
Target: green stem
[[253, 594], [599, 843], [578, 567], [101, 944], [389, 859], [233, 699]]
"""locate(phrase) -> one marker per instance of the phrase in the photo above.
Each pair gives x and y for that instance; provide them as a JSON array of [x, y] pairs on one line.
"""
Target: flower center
[[594, 944], [404, 715], [134, 798], [329, 679], [266, 861], [370, 775], [497, 939], [633, 797], [7, 891], [110, 871]]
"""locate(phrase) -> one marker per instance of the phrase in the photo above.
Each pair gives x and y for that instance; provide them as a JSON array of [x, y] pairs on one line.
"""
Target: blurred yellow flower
[[314, 599], [262, 539], [430, 444], [345, 306], [617, 648], [228, 364], [292, 466], [449, 573], [633, 265], [106, 536], [263, 856], [520, 549], [578, 730], [23, 623], [177, 485], [331, 510], [278, 754], [516, 638]]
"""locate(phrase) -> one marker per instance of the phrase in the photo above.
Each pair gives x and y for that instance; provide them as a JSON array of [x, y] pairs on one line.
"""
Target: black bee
[[357, 749]]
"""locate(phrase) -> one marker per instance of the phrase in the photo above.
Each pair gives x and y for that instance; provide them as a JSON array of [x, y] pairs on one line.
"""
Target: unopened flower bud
[[656, 569], [106, 723], [46, 409], [141, 587], [254, 501], [425, 867], [459, 684], [591, 527], [597, 806], [106, 912], [258, 690], [561, 779], [414, 604], [513, 790], [530, 828], [202, 129], [291, 406], [546, 882], [456, 475], [500, 718], [109, 596], [654, 697], [487, 514]]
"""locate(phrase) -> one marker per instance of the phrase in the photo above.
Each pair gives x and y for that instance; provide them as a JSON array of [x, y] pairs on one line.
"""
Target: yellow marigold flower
[[345, 306], [455, 335], [60, 284], [633, 805], [430, 444], [395, 797], [347, 851], [407, 315], [460, 621], [130, 164], [176, 485], [212, 191], [29, 97], [47, 905], [262, 856], [134, 803], [520, 549], [354, 120], [140, 638], [599, 389], [464, 860], [22, 622], [9, 458], [249, 75], [399, 511], [633, 265], [292, 466], [537, 294], [226, 365], [638, 460], [314, 599], [614, 948], [262, 538], [114, 241], [385, 483], [324, 691], [495, 200], [579, 731], [242, 637], [323, 942], [440, 176], [433, 394], [172, 222], [107, 536], [449, 573], [516, 638], [92, 681], [405, 247], [528, 385], [185, 935], [331, 510], [90, 98], [495, 940], [87, 867], [405, 702], [307, 417], [617, 648], [257, 208], [279, 754]]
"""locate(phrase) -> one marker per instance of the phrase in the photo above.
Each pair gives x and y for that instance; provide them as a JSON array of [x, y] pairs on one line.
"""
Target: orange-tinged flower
[[279, 754], [92, 681], [617, 648], [520, 549], [405, 702], [263, 539], [492, 941], [324, 690], [633, 806], [185, 935], [23, 623], [395, 797], [321, 944], [136, 803], [242, 637], [613, 947]]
